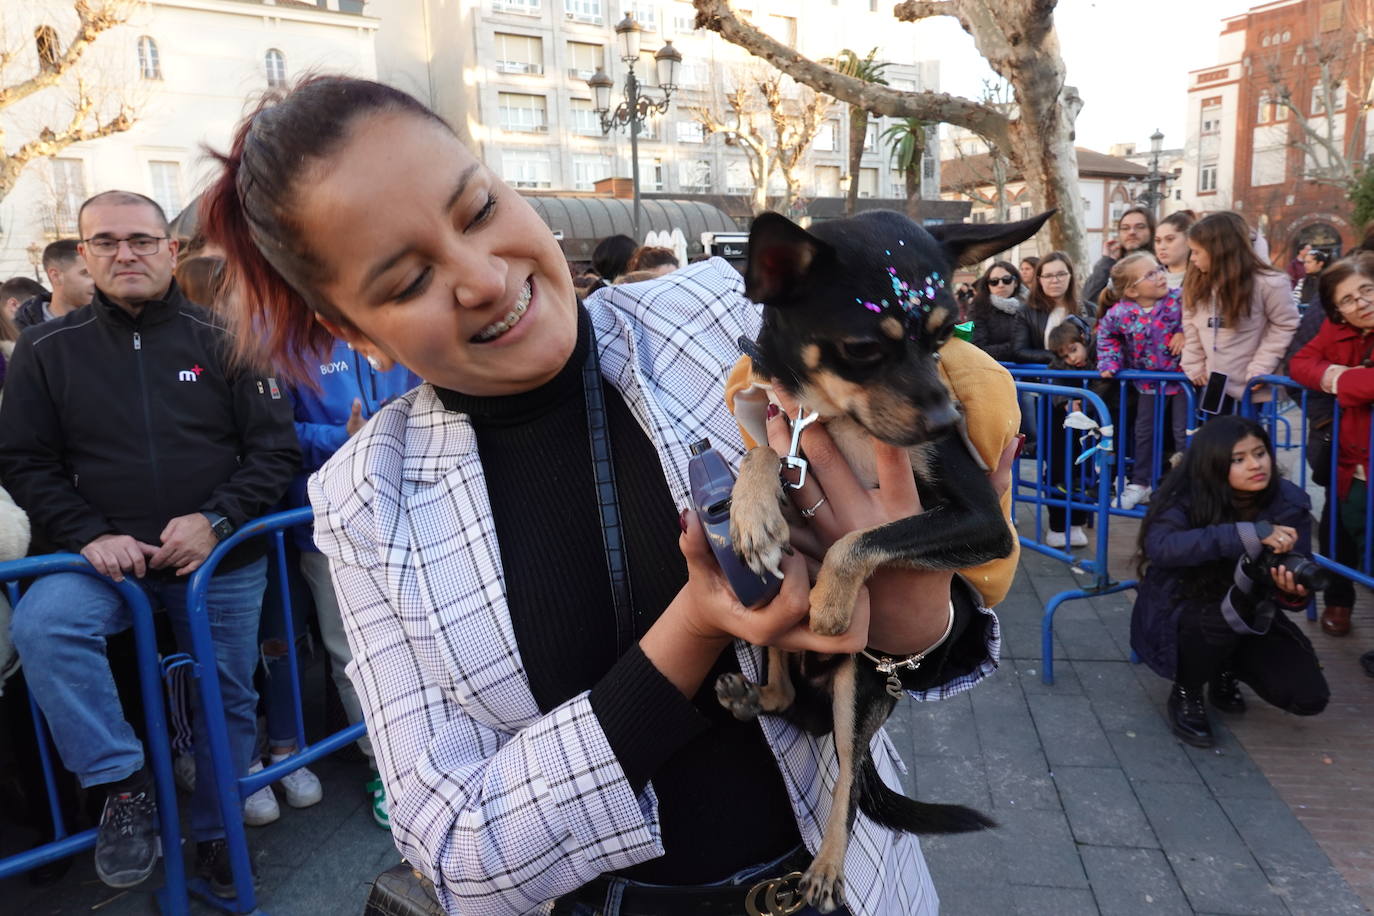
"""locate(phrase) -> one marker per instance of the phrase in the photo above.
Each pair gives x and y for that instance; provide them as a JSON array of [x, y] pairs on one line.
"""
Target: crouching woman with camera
[[1226, 541]]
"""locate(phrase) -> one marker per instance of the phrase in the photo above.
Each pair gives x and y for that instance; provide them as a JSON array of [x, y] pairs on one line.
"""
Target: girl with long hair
[[508, 664], [1171, 245], [1206, 608], [996, 305], [1238, 312], [1053, 298]]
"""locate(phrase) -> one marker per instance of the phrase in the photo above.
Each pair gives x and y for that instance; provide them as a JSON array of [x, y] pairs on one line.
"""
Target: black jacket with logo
[[116, 424]]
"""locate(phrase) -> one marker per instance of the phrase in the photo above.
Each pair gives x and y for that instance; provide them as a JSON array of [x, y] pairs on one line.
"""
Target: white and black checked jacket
[[502, 808]]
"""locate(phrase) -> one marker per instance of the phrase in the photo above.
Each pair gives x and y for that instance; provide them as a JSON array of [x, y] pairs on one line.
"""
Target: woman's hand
[[1284, 581], [1282, 539]]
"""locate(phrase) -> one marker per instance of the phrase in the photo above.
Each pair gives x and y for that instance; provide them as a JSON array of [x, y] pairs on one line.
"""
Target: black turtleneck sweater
[[722, 801]]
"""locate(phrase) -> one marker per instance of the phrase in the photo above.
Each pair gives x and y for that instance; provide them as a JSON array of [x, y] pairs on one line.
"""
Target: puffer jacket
[[1255, 346], [994, 326], [1174, 583]]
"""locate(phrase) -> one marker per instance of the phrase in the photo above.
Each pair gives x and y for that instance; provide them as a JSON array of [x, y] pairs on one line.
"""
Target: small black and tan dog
[[855, 314]]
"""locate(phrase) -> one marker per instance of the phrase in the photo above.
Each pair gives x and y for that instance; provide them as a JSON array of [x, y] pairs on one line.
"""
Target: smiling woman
[[518, 612]]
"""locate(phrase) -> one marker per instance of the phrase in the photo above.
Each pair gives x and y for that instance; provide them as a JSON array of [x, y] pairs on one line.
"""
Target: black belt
[[772, 894]]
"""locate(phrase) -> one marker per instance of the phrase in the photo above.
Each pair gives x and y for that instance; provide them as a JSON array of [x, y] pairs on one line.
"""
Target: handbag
[[402, 891]]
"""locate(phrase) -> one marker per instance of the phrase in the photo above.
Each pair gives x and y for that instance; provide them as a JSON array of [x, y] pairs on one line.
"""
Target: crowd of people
[[438, 385], [1197, 298]]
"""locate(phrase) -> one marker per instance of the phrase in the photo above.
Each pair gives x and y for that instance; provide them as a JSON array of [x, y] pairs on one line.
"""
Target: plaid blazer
[[501, 807]]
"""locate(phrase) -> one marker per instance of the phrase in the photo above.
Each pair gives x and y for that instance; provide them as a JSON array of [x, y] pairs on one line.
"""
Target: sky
[[1130, 62]]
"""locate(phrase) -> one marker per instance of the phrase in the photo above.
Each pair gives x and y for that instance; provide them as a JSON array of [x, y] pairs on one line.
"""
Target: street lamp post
[[35, 252], [1153, 195], [636, 107]]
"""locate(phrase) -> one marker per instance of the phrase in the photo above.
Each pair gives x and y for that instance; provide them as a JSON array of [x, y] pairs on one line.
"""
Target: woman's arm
[[1194, 361], [1170, 541], [1308, 366], [1281, 323], [1109, 342], [1025, 349]]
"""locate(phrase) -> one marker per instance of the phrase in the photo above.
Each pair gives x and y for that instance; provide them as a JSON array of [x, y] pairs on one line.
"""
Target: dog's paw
[[739, 695], [823, 887], [832, 605], [758, 531]]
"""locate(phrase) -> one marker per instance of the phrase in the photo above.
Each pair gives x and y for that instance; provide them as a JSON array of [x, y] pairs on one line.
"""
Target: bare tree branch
[[915, 10], [93, 18]]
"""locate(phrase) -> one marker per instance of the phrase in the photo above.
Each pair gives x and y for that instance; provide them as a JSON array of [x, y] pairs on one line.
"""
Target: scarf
[[1003, 304]]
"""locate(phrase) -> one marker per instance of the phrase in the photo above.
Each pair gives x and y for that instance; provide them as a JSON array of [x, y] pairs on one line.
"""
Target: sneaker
[[1077, 536], [260, 808], [302, 787], [184, 772], [381, 808], [212, 865], [1055, 539], [1134, 495], [127, 846]]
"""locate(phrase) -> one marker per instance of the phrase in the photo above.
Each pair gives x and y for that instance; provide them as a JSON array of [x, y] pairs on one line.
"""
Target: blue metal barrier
[[1081, 480], [171, 896], [231, 787]]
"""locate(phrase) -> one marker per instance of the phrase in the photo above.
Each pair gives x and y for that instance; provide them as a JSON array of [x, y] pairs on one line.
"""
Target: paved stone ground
[[1101, 809]]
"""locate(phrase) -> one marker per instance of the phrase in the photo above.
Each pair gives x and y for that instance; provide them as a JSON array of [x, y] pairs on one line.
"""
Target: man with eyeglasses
[[1135, 231], [128, 437]]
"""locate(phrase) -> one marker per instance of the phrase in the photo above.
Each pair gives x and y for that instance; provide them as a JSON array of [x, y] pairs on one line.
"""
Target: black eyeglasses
[[1000, 281]]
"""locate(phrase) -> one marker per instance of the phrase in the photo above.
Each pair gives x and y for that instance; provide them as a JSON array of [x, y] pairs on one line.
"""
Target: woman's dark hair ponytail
[[272, 279]]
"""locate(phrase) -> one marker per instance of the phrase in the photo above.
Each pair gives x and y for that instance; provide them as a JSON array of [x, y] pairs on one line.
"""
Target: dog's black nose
[[940, 418]]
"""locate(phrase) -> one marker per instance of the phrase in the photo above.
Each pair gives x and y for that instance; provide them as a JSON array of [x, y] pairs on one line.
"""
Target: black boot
[[1225, 693], [1188, 716], [212, 864]]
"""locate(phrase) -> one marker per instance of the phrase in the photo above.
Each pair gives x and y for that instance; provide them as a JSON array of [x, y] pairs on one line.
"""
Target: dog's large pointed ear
[[781, 254], [969, 243]]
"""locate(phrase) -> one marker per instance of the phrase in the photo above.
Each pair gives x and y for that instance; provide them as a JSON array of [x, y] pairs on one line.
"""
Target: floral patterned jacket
[[1129, 337]]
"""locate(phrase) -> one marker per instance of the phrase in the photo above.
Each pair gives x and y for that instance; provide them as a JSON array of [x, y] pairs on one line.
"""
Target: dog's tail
[[897, 812]]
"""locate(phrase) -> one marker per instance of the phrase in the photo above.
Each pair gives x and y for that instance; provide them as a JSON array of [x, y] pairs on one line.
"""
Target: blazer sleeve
[[1281, 319], [499, 821]]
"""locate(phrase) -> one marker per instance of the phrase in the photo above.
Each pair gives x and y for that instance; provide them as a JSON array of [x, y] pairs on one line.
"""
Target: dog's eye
[[861, 352]]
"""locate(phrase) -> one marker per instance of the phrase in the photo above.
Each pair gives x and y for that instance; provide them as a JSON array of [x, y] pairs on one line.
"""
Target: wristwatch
[[220, 525]]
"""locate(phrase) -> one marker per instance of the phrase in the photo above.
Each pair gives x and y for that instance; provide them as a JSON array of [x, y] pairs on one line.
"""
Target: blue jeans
[[60, 627]]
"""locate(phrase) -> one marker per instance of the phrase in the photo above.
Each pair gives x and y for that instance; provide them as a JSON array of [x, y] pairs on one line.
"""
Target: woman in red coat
[[1339, 361]]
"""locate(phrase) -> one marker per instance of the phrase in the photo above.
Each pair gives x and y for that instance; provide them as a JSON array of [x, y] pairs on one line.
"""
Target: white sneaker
[[260, 808], [1134, 495], [1077, 536], [302, 787], [184, 773], [1054, 539]]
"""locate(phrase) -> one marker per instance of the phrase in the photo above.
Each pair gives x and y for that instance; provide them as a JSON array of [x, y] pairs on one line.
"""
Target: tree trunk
[[858, 129], [1043, 148], [913, 191]]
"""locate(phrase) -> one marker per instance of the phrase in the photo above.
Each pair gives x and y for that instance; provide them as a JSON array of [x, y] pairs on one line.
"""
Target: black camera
[[1305, 570]]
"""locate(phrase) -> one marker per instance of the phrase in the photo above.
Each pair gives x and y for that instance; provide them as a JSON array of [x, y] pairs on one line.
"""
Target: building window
[[275, 63], [522, 112], [827, 181], [69, 191], [523, 7], [690, 132], [527, 169], [519, 54], [48, 47], [1207, 178], [684, 19], [737, 178], [928, 168], [651, 174], [166, 182], [694, 176], [825, 137], [868, 182], [585, 121], [149, 61], [1211, 119], [584, 59], [1320, 95], [588, 170], [644, 14], [582, 11], [871, 137], [783, 28], [694, 73], [649, 130]]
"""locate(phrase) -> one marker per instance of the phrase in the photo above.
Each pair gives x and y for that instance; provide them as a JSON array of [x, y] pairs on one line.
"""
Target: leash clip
[[793, 461]]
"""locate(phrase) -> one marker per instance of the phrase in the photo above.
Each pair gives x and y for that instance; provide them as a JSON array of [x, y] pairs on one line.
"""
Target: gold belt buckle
[[775, 896]]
